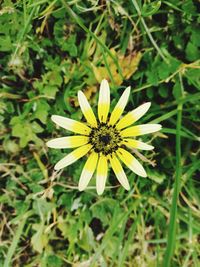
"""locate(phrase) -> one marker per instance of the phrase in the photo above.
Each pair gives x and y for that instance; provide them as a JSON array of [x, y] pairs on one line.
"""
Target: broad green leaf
[[39, 240]]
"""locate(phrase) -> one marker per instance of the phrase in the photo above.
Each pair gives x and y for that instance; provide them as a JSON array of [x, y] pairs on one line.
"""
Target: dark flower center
[[105, 138]]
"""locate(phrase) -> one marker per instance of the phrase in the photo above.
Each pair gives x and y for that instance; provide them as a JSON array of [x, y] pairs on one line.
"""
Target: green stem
[[16, 238], [147, 31], [23, 32], [171, 239], [80, 23]]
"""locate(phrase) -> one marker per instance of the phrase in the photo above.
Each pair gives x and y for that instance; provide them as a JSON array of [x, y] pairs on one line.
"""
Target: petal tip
[[81, 97], [80, 93], [99, 193], [127, 92], [147, 105], [53, 117], [127, 187], [104, 85], [48, 144], [80, 188], [56, 168], [158, 127], [143, 174], [104, 81], [148, 147]]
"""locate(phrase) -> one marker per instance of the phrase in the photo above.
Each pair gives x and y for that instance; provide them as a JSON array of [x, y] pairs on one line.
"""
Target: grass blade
[[173, 212], [147, 31], [103, 46], [16, 238]]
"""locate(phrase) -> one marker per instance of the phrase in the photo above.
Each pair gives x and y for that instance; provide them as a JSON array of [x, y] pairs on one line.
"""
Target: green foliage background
[[48, 51]]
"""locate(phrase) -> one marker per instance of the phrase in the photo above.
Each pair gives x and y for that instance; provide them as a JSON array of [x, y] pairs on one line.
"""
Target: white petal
[[140, 130], [131, 162], [119, 172], [102, 170], [68, 142], [86, 109], [136, 144], [133, 116], [71, 125], [88, 171], [72, 157], [104, 101], [119, 108]]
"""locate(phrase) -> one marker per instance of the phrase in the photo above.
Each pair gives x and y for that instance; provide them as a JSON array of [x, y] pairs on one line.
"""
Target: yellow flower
[[104, 139]]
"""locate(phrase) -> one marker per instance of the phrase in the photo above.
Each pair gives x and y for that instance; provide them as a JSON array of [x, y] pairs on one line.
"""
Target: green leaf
[[69, 228], [25, 130], [66, 200], [50, 90], [195, 36], [53, 78], [192, 52], [5, 44], [10, 146], [163, 91], [70, 46], [177, 90], [86, 240], [189, 7], [150, 8], [42, 207], [150, 93], [39, 240], [54, 261], [36, 127], [156, 176], [193, 77], [41, 110], [102, 210]]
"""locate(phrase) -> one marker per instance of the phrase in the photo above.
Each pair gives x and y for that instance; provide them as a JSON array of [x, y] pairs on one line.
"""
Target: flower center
[[105, 139]]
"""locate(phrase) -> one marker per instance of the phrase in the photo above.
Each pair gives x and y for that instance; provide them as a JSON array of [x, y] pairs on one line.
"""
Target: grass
[[147, 30], [173, 211], [48, 51]]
